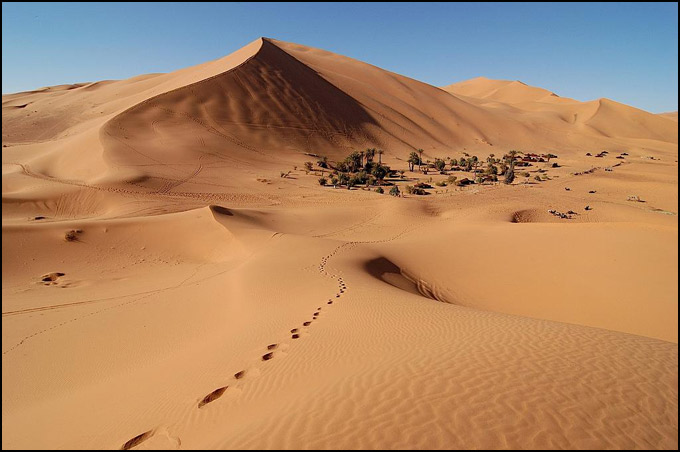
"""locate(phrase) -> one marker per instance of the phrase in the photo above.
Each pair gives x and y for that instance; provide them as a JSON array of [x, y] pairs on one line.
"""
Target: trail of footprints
[[271, 349]]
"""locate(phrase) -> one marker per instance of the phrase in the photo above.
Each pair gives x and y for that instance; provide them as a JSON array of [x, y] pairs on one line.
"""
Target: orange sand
[[209, 303]]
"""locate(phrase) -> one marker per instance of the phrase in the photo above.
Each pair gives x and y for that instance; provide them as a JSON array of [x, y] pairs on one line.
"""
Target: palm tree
[[420, 159], [380, 153], [370, 153], [510, 173], [413, 160], [513, 155]]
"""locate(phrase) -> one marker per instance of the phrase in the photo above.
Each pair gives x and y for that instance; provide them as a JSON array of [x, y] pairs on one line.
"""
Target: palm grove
[[365, 168]]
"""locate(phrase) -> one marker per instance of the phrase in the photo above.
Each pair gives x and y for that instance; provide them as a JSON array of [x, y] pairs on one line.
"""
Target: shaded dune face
[[386, 271], [270, 104]]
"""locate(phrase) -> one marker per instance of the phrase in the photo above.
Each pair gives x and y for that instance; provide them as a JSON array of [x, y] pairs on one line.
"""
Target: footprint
[[307, 323], [272, 346], [295, 336], [294, 330], [267, 357], [137, 440], [239, 375], [315, 314], [216, 394], [330, 302]]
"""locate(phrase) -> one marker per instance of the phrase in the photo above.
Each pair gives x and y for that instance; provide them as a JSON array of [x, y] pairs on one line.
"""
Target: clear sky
[[622, 51]]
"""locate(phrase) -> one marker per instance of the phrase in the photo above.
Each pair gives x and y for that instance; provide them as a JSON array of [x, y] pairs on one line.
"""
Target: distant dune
[[176, 276], [670, 115]]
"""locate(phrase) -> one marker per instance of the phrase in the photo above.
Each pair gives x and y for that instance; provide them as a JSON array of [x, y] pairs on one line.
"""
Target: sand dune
[[165, 287], [602, 117], [670, 115]]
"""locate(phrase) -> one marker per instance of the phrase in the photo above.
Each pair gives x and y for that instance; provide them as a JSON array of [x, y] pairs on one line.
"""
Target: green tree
[[492, 169], [381, 171], [413, 160], [323, 162], [510, 173], [394, 191], [354, 161], [440, 165], [370, 153]]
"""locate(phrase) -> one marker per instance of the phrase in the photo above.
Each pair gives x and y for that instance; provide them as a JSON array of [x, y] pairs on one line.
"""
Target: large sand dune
[[207, 302]]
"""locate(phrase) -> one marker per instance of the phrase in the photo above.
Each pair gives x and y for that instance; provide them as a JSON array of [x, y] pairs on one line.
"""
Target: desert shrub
[[323, 162], [71, 236], [381, 171], [538, 178], [526, 174], [394, 191], [439, 164], [451, 179], [409, 189], [441, 183], [360, 178], [322, 181], [380, 190], [492, 169], [334, 181]]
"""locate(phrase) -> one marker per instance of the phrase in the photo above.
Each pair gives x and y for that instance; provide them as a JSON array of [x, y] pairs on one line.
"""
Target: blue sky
[[626, 52]]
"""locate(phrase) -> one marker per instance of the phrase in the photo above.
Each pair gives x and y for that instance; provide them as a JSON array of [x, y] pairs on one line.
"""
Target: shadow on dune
[[221, 210], [386, 271]]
